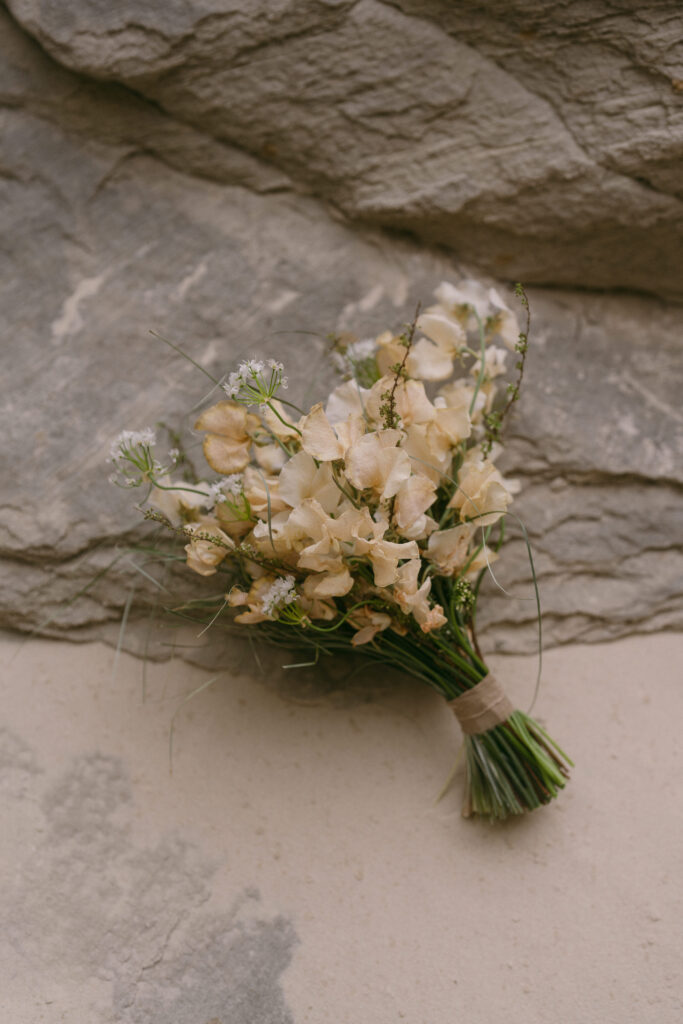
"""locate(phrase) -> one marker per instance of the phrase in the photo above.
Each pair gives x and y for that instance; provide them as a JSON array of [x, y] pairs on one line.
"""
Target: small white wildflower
[[130, 439], [174, 454], [234, 484], [359, 350], [280, 593], [132, 457], [215, 495], [252, 384]]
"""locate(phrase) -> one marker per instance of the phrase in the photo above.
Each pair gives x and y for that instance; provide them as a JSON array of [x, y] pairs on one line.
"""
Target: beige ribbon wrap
[[482, 707]]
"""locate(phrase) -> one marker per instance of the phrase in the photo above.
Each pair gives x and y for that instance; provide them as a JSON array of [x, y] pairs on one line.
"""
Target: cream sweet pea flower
[[260, 490], [270, 457], [454, 299], [369, 623], [481, 560], [494, 363], [430, 452], [228, 441], [431, 358], [412, 403], [320, 540], [504, 322], [301, 479], [318, 437], [412, 599], [203, 556], [428, 361], [346, 400], [328, 584], [384, 554], [482, 494], [280, 421], [178, 505], [413, 498], [389, 352], [374, 462], [448, 549]]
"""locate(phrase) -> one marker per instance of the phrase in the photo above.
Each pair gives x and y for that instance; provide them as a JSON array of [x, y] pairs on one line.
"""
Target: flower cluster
[[366, 521], [362, 502]]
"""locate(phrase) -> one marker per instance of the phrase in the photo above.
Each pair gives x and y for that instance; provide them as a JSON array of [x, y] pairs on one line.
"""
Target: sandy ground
[[295, 866]]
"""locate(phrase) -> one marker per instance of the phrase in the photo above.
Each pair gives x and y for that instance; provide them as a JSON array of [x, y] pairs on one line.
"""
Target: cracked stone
[[121, 217]]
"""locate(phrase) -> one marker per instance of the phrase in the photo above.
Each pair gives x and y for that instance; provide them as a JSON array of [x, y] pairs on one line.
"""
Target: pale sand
[[375, 904]]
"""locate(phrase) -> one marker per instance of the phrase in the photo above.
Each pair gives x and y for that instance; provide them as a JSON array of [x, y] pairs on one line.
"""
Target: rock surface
[[205, 205], [542, 141]]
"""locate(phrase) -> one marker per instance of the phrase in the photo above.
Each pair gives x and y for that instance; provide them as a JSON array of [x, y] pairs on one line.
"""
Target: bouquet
[[367, 522]]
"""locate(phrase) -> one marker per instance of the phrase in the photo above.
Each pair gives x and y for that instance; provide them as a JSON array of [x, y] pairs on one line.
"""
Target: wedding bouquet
[[367, 522]]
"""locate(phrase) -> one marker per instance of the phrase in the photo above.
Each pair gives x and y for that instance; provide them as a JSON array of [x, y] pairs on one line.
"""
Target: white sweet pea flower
[[504, 322], [494, 363], [428, 361], [454, 300], [444, 331]]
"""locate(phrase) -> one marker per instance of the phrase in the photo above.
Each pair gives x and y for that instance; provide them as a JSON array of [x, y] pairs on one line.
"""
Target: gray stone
[[121, 219], [138, 925], [540, 141]]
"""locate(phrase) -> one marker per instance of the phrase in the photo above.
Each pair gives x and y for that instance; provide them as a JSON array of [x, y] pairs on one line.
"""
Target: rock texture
[[540, 140], [225, 175]]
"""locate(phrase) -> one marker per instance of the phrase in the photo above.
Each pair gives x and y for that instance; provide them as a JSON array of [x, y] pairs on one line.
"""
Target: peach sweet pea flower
[[226, 446], [178, 505], [482, 494], [431, 358], [318, 437], [270, 457], [369, 623], [389, 351], [328, 584], [384, 554], [202, 555], [412, 599], [259, 490], [280, 424], [375, 462], [412, 404]]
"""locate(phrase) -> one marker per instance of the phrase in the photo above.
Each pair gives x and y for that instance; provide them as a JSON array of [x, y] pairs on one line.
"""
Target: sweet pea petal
[[318, 437]]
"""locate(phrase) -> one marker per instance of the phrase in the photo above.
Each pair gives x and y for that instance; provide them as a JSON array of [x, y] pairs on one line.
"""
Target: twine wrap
[[482, 707]]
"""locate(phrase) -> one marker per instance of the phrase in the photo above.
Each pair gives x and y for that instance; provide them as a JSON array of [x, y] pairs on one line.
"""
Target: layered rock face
[[246, 177]]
